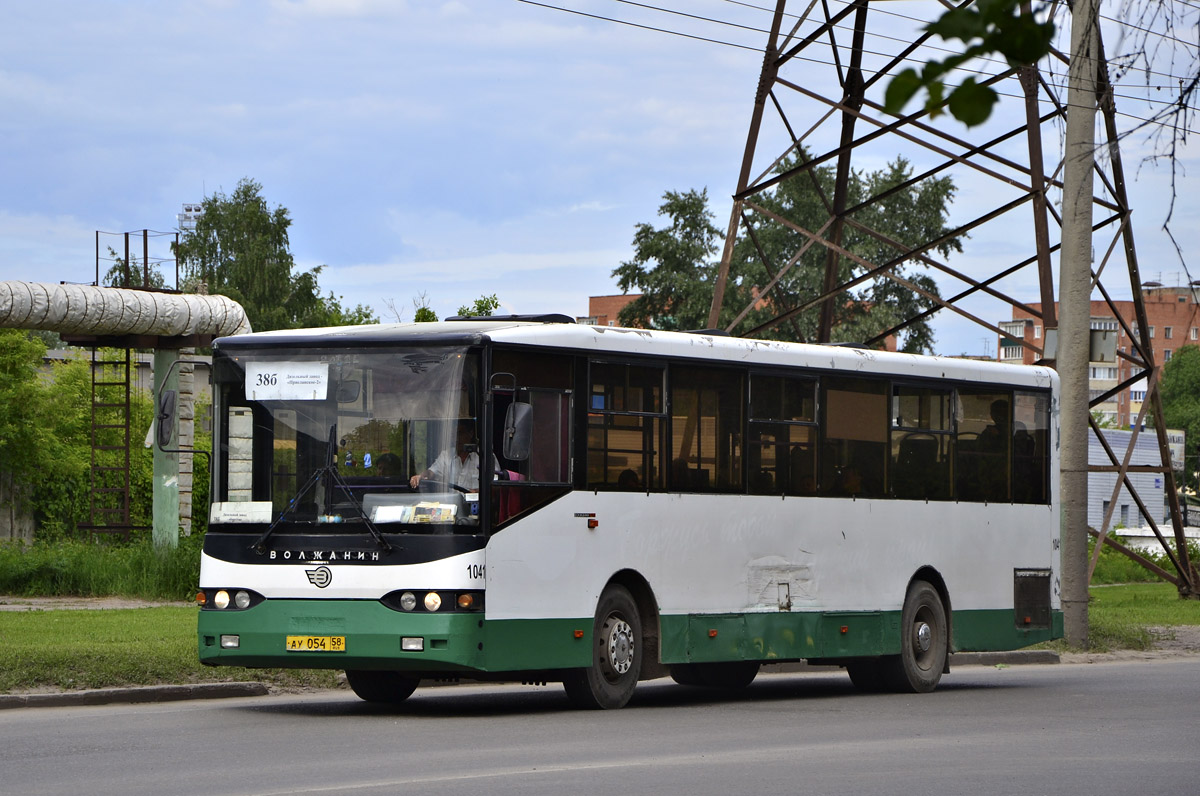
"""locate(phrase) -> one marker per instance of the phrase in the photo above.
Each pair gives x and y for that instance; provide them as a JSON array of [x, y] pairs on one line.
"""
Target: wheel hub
[[620, 646], [923, 636]]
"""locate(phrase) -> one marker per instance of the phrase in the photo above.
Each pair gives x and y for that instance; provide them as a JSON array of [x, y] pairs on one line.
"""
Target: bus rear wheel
[[924, 642], [383, 687], [616, 655], [731, 676]]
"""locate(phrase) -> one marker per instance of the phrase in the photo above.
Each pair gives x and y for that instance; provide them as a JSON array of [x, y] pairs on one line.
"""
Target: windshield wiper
[[329, 469]]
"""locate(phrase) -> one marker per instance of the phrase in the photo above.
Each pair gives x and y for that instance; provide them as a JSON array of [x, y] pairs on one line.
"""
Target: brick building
[[1172, 313], [603, 310]]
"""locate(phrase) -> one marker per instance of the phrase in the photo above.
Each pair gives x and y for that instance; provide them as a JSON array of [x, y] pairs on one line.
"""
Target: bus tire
[[616, 655], [924, 642], [730, 676], [384, 687]]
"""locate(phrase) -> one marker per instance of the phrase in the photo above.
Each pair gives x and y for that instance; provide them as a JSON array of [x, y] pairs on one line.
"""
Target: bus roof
[[546, 331]]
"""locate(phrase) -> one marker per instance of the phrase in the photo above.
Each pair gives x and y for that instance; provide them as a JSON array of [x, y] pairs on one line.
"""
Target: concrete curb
[[154, 693]]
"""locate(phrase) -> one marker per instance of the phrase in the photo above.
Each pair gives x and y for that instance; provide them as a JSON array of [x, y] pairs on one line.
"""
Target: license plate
[[316, 643]]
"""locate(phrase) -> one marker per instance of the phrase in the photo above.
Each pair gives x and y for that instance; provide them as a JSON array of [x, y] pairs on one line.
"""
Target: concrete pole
[[1075, 267], [166, 465]]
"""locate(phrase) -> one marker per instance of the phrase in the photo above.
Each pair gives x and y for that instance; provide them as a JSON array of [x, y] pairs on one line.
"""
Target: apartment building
[[1173, 318]]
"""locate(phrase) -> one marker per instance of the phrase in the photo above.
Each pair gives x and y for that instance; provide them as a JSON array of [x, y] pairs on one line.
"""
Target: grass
[[90, 569], [110, 648]]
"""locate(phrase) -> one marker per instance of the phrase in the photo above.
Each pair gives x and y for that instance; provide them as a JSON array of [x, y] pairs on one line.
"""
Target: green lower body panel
[[372, 632], [457, 644], [792, 635], [983, 631], [453, 643]]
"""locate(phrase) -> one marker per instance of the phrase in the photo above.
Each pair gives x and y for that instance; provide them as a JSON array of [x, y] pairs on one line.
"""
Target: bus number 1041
[[476, 571]]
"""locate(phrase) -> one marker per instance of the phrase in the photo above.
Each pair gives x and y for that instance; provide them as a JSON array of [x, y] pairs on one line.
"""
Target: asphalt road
[[1111, 728]]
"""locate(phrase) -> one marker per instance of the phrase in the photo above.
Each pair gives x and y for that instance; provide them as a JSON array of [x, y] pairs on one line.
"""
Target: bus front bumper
[[340, 634]]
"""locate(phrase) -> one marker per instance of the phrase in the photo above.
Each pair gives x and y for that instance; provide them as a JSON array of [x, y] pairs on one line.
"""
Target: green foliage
[[1113, 567], [116, 276], [484, 306], [113, 648], [89, 569], [672, 267], [675, 270], [240, 249], [985, 28], [1180, 390], [20, 390]]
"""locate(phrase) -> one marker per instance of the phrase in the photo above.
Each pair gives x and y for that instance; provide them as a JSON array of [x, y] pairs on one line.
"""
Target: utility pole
[[1075, 275]]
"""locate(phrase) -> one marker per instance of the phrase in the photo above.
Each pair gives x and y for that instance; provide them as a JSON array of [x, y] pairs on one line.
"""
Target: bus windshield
[[346, 436]]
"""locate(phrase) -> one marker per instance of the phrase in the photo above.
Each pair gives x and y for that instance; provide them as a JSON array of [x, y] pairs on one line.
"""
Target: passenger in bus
[[628, 479], [457, 466], [995, 437]]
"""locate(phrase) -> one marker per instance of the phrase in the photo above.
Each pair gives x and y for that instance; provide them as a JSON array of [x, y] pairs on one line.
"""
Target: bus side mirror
[[165, 426], [518, 432]]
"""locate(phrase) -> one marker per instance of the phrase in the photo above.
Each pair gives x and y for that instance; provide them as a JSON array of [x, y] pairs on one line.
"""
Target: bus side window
[[781, 452], [1031, 441], [626, 422], [855, 422], [706, 429], [921, 443], [983, 455]]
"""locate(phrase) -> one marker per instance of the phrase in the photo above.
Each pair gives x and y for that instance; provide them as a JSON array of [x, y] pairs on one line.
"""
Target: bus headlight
[[221, 599], [242, 599], [433, 601], [408, 601]]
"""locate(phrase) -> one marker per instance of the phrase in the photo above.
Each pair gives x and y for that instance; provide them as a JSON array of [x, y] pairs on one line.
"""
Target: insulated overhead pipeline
[[87, 309]]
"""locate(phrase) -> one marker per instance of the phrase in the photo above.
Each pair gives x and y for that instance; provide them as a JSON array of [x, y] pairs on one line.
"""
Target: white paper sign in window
[[287, 381]]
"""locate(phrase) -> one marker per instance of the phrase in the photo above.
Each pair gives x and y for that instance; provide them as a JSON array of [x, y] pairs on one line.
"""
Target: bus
[[525, 498]]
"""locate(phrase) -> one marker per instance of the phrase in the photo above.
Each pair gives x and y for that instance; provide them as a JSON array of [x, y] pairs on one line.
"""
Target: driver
[[457, 467]]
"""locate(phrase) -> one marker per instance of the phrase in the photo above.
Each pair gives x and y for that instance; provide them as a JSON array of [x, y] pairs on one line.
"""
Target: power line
[[1144, 121]]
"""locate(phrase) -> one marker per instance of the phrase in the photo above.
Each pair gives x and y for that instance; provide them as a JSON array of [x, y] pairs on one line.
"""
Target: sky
[[435, 149]]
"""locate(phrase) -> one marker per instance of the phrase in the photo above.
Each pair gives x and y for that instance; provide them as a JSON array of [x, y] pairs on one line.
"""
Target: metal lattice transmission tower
[[818, 114]]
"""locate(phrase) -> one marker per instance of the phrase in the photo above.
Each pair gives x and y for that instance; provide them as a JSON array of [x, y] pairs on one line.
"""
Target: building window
[[1098, 373], [1195, 333], [1037, 332], [1011, 352], [1166, 355], [1167, 330], [1151, 332]]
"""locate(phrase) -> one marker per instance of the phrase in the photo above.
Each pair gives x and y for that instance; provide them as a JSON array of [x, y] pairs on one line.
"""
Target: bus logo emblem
[[319, 577]]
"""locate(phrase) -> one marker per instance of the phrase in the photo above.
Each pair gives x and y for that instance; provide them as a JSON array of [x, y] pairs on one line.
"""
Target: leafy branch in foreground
[[987, 27]]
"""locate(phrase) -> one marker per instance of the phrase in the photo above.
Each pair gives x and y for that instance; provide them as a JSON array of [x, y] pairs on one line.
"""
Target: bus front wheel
[[616, 655], [924, 642], [385, 687]]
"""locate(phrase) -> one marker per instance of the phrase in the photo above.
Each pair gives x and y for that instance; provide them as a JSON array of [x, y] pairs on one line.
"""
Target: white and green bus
[[530, 499]]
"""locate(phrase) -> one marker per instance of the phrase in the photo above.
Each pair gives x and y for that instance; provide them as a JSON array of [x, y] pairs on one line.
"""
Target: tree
[[673, 268], [1180, 391], [239, 247], [115, 276], [484, 306], [423, 313]]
